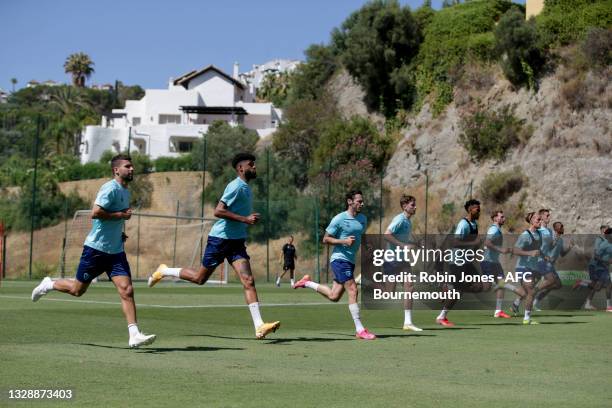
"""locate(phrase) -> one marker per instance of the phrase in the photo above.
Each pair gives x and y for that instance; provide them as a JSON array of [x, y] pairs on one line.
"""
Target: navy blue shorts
[[343, 270], [527, 274], [94, 263], [599, 272], [395, 268], [218, 249], [492, 269], [546, 267]]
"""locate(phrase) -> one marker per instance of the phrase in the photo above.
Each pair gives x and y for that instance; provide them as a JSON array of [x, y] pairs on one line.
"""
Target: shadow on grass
[[521, 323], [454, 328], [406, 335], [162, 350], [277, 340], [563, 315]]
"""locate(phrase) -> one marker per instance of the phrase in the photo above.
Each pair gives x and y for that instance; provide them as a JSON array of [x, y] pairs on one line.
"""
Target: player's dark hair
[[242, 157], [608, 231], [351, 195], [557, 223], [470, 203], [529, 217], [115, 160], [544, 210], [406, 199], [494, 213]]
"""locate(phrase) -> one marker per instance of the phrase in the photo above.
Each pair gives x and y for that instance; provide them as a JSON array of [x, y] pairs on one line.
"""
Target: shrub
[[575, 93], [453, 36], [498, 187], [597, 47], [489, 134], [181, 163], [565, 21]]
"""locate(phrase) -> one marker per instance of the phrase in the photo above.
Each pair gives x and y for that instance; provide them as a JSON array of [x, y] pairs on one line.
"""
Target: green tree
[[74, 111], [298, 136], [13, 82], [377, 43], [517, 42], [309, 78], [80, 67], [275, 88], [222, 143]]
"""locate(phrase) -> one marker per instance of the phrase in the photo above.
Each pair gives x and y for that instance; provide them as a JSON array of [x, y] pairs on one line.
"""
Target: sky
[[145, 42]]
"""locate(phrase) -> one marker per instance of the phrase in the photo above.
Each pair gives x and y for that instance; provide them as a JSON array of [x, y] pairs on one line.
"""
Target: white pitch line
[[101, 302]]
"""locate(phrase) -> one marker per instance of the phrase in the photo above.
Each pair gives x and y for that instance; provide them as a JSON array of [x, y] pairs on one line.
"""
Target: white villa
[[274, 67], [166, 122]]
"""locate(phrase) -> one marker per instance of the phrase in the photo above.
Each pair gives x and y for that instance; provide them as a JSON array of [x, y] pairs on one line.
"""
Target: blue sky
[[146, 42]]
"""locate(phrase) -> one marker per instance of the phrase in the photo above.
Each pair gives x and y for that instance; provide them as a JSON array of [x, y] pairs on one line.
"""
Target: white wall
[[97, 139], [214, 89]]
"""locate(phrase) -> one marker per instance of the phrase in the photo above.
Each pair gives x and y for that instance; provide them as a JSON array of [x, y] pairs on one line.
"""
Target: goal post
[[177, 241]]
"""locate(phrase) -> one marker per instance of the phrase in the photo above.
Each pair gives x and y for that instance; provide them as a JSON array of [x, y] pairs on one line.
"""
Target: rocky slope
[[567, 161]]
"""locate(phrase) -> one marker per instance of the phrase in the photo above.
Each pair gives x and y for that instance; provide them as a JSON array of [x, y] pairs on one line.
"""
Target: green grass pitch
[[206, 354]]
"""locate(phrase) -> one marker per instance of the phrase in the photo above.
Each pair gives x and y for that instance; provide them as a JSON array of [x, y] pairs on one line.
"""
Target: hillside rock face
[[567, 160]]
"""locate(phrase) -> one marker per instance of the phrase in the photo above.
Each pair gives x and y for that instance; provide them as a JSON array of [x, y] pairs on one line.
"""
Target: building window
[[164, 119], [185, 147], [135, 121]]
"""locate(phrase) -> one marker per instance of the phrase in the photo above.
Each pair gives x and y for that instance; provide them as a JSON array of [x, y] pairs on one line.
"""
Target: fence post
[[138, 244], [129, 140], [2, 251], [426, 201], [63, 261], [267, 215], [329, 216], [178, 204], [380, 203], [316, 225], [33, 204], [205, 165]]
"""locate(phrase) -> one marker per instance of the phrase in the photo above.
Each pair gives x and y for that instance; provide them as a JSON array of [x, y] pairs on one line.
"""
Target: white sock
[[527, 314], [292, 282], [536, 302], [498, 305], [587, 303], [133, 329], [407, 316], [510, 286], [172, 272], [517, 302], [255, 315], [585, 283], [608, 303], [354, 309], [443, 314], [312, 285], [49, 286]]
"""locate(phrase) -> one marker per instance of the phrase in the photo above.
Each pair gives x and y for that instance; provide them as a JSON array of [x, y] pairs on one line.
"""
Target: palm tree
[[80, 66], [70, 104], [14, 82]]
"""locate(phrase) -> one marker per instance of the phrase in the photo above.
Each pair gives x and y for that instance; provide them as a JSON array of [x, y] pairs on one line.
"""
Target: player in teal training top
[[226, 240], [399, 234], [344, 233], [103, 249]]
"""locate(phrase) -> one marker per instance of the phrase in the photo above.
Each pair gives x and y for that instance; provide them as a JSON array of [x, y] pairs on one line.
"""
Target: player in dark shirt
[[288, 258]]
